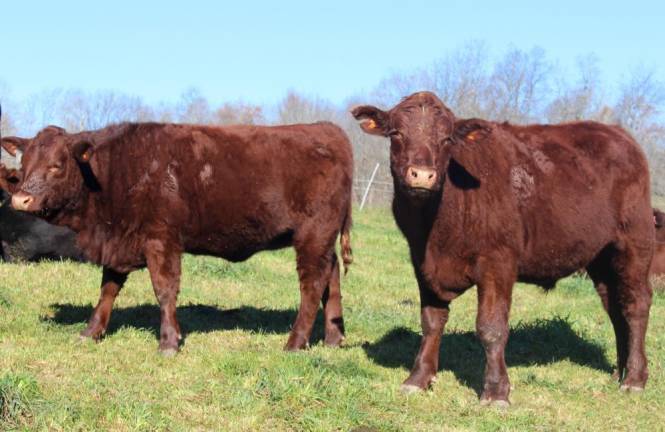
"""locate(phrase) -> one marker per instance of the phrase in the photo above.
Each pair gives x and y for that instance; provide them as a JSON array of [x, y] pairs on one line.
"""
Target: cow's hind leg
[[332, 307], [314, 256], [621, 279], [164, 266], [605, 280], [112, 283]]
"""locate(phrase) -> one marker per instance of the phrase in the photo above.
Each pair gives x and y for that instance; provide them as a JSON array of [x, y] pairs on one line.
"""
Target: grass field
[[233, 375]]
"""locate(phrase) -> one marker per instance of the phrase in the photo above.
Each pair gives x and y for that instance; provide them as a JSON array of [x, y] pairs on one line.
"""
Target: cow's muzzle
[[23, 202], [421, 177]]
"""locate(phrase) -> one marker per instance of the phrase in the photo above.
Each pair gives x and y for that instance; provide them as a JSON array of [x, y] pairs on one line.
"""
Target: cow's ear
[[471, 130], [82, 151], [13, 145], [9, 178], [372, 120]]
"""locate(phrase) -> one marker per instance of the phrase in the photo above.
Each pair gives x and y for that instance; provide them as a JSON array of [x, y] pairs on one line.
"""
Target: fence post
[[369, 185]]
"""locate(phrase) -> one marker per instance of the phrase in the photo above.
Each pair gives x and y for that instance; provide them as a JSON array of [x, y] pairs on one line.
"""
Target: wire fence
[[376, 193]]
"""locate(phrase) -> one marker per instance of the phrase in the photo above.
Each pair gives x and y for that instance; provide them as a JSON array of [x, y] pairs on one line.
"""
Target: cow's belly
[[237, 244], [549, 263]]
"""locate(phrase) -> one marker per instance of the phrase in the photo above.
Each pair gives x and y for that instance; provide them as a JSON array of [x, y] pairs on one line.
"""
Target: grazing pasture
[[233, 375]]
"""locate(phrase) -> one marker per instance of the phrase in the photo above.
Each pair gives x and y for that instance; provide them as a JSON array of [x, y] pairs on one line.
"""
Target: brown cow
[[489, 204], [140, 195]]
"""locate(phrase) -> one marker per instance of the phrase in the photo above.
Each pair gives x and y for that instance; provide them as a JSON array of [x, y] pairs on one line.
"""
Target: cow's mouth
[[418, 193]]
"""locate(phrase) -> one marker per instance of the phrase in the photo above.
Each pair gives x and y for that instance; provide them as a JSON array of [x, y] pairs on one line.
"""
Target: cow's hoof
[[296, 345], [168, 352], [631, 388], [408, 389], [496, 403], [95, 335], [82, 339], [334, 340]]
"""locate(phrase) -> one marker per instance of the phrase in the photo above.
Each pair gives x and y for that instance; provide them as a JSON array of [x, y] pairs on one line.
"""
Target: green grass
[[233, 375]]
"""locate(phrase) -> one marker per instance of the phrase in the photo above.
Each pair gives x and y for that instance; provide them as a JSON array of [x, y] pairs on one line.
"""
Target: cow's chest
[[119, 252], [447, 273]]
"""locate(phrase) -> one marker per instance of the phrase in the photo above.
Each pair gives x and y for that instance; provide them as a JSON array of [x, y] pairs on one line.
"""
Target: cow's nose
[[22, 201], [420, 177]]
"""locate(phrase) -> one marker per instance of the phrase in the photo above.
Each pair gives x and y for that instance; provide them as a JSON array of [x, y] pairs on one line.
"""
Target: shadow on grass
[[192, 318], [535, 343]]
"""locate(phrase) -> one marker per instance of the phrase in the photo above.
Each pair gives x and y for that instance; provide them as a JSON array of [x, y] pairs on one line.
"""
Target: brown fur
[[518, 203], [142, 194]]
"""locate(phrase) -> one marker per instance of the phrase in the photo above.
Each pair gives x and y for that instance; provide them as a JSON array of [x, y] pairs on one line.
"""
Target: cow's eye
[[395, 134], [55, 168]]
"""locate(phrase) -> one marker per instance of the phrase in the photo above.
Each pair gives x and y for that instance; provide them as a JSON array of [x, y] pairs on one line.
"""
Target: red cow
[[488, 204]]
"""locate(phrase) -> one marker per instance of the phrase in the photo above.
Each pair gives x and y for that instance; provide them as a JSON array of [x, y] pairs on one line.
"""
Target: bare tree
[[7, 126], [582, 100], [296, 108], [640, 101], [194, 108], [519, 84], [83, 111], [461, 79], [239, 113]]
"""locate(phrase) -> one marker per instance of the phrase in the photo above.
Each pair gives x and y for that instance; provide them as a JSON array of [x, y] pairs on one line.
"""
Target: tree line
[[520, 86]]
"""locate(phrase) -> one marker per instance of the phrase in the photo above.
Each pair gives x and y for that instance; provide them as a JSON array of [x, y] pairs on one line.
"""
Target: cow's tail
[[345, 241]]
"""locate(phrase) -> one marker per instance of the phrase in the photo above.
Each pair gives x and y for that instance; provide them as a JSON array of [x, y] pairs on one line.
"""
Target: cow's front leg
[[494, 298], [163, 261], [112, 282], [433, 317]]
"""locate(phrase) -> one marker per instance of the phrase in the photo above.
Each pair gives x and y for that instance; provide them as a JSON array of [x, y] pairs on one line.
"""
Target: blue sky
[[256, 51]]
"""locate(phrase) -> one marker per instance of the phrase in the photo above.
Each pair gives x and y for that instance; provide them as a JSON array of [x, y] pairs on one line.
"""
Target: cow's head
[[52, 170], [421, 131]]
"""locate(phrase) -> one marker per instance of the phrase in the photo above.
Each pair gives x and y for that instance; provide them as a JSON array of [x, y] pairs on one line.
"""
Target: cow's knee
[[492, 335]]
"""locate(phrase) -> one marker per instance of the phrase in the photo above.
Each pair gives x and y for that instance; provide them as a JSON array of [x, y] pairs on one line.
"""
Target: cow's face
[[420, 129], [51, 174]]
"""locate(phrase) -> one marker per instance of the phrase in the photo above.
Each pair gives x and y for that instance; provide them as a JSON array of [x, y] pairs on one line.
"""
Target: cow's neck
[[415, 217], [93, 200], [443, 213]]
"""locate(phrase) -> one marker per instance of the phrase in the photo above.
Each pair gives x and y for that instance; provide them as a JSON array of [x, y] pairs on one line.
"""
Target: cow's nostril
[[430, 176], [414, 173]]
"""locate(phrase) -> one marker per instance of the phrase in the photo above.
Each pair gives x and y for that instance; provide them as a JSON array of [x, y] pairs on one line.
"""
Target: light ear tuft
[[14, 145]]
